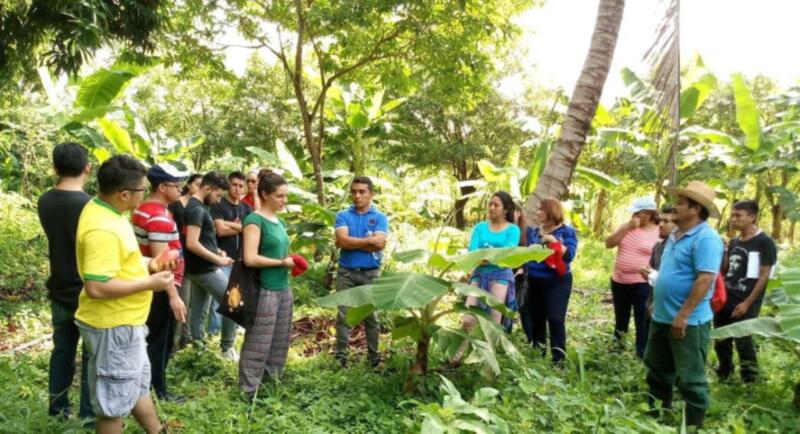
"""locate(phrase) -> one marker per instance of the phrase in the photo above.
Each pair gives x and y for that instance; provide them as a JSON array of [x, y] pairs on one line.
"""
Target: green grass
[[599, 390]]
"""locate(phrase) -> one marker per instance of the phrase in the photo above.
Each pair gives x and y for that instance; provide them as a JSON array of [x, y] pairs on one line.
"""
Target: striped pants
[[266, 343]]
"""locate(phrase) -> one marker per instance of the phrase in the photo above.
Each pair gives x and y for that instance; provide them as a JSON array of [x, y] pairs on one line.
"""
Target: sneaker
[[231, 355], [168, 397]]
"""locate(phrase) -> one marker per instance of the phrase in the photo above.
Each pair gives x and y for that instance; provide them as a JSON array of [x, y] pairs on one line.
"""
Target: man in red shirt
[[156, 232]]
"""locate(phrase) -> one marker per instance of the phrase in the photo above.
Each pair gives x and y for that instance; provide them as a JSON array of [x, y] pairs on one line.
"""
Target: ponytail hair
[[268, 182], [508, 204]]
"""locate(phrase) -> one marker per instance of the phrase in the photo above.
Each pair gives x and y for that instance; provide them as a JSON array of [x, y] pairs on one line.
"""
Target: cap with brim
[[699, 192], [165, 172], [643, 204]]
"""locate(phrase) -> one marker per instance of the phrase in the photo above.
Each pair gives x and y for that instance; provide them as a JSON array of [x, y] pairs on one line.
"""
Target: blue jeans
[[214, 318], [62, 364], [206, 286]]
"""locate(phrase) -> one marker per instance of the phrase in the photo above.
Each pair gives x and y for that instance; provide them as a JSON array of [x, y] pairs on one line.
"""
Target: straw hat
[[699, 192]]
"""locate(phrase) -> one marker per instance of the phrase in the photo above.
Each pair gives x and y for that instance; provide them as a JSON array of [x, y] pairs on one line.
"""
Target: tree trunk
[[777, 222], [461, 172], [420, 366], [597, 220], [791, 234], [556, 178], [797, 396]]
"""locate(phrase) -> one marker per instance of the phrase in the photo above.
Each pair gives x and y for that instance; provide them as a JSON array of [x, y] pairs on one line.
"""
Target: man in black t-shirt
[[228, 214], [59, 210], [750, 258], [204, 259]]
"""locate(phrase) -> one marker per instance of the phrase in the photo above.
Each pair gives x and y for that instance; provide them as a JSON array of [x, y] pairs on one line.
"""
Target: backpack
[[720, 296], [240, 301]]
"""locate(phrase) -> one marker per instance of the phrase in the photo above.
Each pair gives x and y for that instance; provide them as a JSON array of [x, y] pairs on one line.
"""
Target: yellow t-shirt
[[106, 249]]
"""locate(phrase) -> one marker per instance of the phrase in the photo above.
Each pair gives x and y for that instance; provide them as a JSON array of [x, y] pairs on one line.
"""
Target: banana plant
[[784, 327], [766, 154], [427, 298], [457, 415], [97, 114], [358, 122]]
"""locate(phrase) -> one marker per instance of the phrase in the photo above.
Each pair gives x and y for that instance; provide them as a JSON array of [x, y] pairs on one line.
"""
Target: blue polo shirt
[[359, 226], [699, 250]]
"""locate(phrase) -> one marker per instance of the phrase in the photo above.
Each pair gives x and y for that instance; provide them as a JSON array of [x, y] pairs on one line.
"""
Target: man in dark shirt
[[59, 210], [666, 223], [228, 214], [204, 259], [750, 258]]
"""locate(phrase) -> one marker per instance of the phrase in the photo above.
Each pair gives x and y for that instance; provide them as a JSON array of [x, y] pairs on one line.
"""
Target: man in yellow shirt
[[115, 299]]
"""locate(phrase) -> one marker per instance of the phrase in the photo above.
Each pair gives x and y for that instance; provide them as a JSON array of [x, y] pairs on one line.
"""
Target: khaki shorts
[[119, 370]]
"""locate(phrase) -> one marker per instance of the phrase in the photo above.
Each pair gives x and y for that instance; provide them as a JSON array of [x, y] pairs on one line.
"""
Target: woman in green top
[[266, 246]]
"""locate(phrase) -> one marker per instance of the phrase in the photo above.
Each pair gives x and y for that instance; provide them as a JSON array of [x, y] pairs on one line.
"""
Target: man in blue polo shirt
[[678, 340], [361, 235]]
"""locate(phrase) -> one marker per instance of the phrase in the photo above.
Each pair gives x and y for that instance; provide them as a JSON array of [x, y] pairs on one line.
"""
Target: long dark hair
[[508, 204]]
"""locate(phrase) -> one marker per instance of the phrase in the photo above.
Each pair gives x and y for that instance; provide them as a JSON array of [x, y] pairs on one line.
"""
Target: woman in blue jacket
[[550, 282]]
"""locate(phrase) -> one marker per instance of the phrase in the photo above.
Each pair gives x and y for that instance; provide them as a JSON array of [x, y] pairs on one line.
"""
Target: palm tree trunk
[[556, 178]]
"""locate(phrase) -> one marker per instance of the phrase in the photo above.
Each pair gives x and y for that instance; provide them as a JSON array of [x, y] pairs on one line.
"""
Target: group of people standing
[[665, 273], [114, 284], [126, 263], [668, 266]]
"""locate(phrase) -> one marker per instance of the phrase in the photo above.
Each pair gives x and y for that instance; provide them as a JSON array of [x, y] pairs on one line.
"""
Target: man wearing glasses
[[115, 301], [156, 232]]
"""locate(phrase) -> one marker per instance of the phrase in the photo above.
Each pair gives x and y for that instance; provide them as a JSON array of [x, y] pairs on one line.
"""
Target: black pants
[[626, 297], [161, 324], [521, 284], [62, 364], [547, 307], [744, 345]]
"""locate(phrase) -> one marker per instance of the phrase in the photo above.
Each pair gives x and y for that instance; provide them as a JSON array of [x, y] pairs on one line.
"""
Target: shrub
[[23, 247]]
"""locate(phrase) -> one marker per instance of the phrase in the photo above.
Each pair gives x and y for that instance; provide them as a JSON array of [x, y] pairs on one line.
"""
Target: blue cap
[[165, 172], [643, 204]]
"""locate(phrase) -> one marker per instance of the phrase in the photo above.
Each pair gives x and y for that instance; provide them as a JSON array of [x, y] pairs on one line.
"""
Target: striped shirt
[[152, 222], [633, 253]]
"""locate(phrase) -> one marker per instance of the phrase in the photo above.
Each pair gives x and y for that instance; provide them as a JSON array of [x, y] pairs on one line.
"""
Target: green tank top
[[275, 245]]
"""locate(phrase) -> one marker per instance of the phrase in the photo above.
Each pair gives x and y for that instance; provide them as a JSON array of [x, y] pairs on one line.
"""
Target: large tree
[[64, 34], [320, 43], [432, 133], [555, 180]]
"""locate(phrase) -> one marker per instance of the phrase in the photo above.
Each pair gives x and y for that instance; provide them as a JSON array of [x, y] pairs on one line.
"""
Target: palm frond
[[664, 58]]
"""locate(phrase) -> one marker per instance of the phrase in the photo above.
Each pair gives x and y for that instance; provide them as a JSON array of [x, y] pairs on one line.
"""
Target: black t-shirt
[[196, 214], [59, 211], [750, 255], [225, 210], [177, 210]]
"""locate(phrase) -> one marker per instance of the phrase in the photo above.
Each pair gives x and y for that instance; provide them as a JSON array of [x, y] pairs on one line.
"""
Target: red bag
[[556, 261], [720, 296], [300, 265]]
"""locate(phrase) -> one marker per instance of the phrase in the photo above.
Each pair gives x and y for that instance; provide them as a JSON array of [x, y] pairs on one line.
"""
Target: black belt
[[360, 269]]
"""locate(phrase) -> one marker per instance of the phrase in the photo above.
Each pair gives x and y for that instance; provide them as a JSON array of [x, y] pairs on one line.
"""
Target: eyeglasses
[[169, 184]]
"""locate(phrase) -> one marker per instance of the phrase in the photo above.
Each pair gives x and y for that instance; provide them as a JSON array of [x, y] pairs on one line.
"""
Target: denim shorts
[[119, 370]]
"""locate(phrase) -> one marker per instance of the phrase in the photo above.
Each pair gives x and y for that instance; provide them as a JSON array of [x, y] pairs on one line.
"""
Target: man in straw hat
[[678, 339]]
